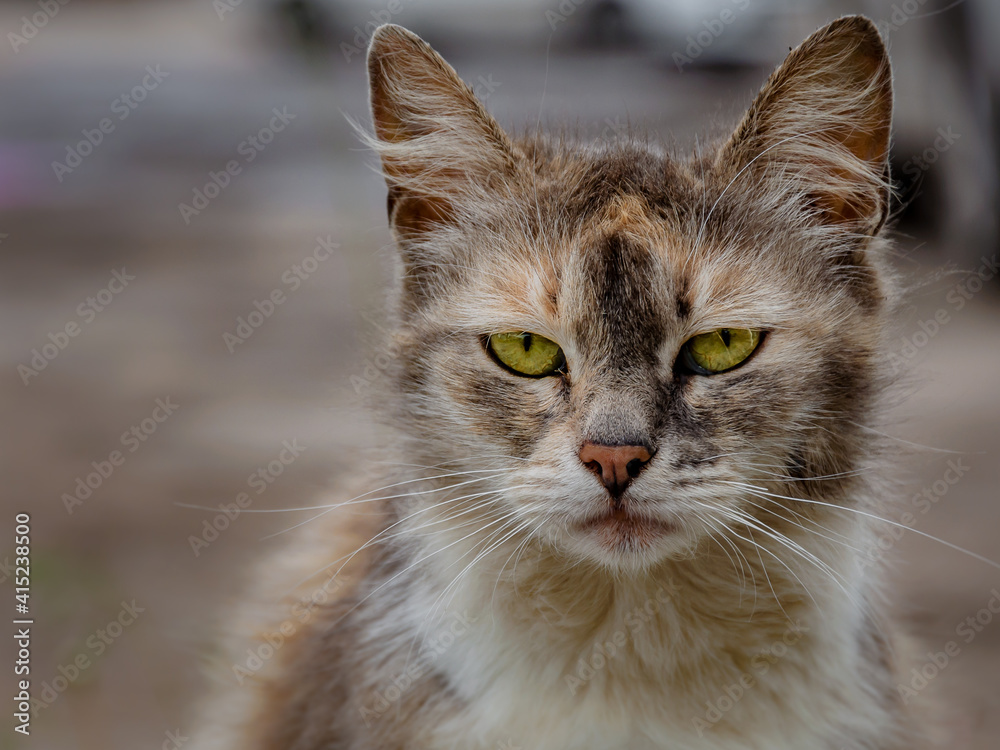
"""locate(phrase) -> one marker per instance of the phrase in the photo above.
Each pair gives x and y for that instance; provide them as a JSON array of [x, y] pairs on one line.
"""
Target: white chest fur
[[633, 682]]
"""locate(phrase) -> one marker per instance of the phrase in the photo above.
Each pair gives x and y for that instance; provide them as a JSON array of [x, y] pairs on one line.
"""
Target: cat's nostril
[[633, 467], [614, 465]]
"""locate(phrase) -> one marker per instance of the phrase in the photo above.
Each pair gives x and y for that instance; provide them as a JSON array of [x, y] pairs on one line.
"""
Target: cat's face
[[627, 352]]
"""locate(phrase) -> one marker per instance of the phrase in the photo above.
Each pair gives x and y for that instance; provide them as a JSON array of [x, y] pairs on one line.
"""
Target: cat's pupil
[[526, 341], [724, 333]]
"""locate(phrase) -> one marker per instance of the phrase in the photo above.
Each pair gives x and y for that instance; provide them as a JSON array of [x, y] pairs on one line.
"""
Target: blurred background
[[194, 254]]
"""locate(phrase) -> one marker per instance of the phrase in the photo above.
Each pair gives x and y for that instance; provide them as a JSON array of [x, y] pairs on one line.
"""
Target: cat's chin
[[628, 541]]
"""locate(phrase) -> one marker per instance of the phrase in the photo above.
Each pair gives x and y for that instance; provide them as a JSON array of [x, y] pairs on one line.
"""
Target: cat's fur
[[751, 626]]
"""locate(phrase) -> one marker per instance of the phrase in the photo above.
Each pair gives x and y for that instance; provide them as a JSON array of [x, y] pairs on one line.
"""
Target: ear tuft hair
[[821, 124], [436, 140]]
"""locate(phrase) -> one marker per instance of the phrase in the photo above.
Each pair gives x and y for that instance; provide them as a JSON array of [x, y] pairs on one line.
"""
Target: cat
[[633, 409]]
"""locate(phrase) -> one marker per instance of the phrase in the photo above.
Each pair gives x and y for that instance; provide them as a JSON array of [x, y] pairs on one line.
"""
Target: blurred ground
[[161, 337]]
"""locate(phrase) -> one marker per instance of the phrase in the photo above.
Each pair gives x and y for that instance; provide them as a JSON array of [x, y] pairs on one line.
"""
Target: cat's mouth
[[618, 526]]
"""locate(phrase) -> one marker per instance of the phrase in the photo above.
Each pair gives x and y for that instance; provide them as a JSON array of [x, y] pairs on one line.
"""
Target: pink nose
[[614, 465]]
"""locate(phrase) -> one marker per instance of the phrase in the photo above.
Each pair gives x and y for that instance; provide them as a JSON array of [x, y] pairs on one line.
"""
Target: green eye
[[719, 350], [527, 353]]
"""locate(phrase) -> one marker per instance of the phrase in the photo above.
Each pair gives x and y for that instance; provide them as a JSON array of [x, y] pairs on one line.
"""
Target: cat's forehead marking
[[623, 276], [646, 214], [625, 213], [655, 261], [629, 172]]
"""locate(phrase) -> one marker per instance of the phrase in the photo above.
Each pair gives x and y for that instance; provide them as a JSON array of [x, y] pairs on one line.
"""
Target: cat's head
[[625, 351]]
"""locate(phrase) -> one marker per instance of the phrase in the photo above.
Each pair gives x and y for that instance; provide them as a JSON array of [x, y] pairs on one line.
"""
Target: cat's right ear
[[438, 145], [820, 127]]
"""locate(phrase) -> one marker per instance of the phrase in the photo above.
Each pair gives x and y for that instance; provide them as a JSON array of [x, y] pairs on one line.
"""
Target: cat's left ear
[[820, 127], [438, 144]]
